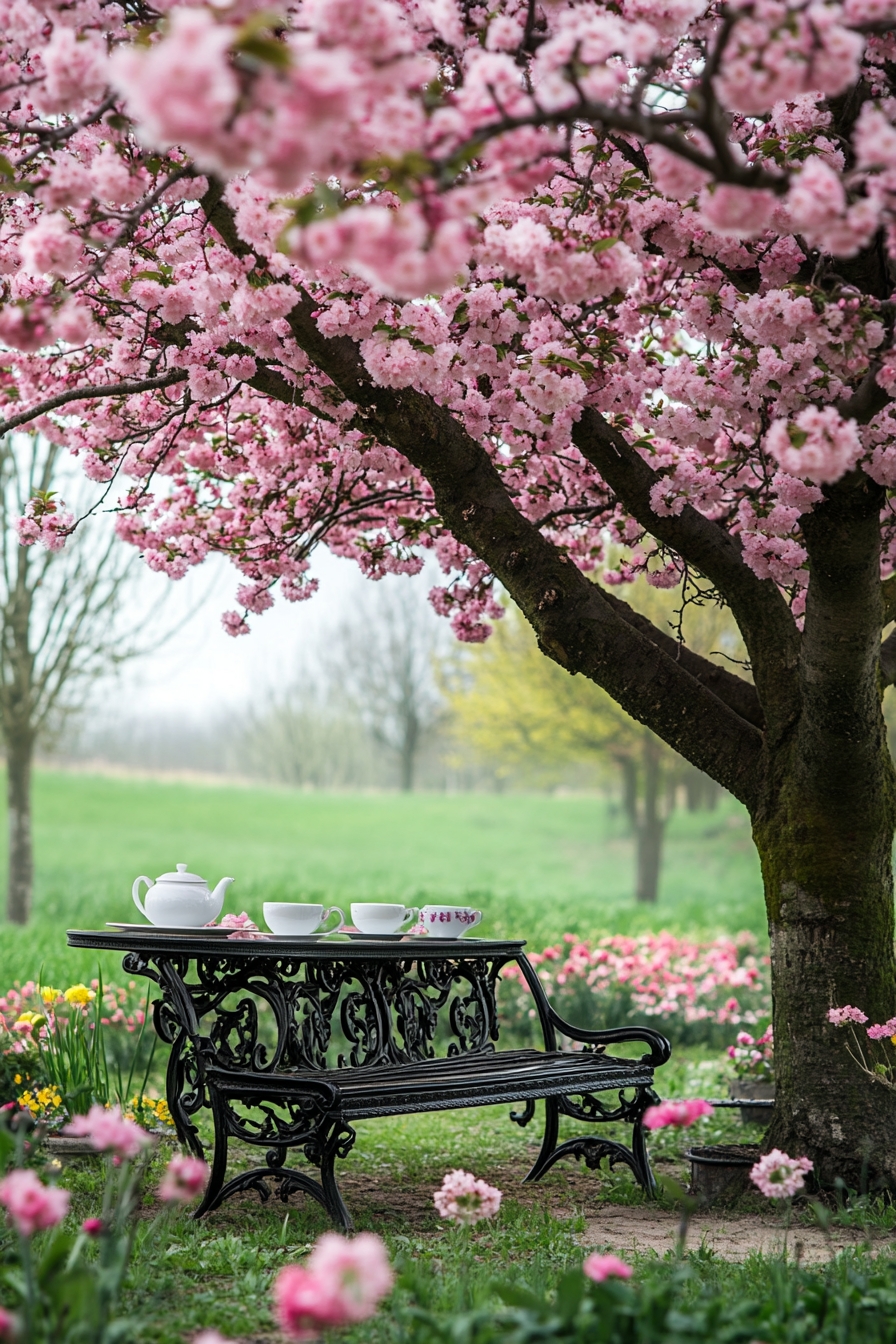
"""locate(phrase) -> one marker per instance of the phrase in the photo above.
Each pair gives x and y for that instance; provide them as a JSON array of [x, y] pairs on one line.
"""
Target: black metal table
[[287, 1041]]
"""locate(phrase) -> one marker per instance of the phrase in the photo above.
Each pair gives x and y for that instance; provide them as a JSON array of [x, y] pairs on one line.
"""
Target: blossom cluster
[[690, 990], [754, 1057], [203, 199], [464, 1198], [778, 1176]]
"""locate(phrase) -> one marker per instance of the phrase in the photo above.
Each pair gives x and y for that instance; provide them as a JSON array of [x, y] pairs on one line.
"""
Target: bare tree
[[383, 662], [58, 632]]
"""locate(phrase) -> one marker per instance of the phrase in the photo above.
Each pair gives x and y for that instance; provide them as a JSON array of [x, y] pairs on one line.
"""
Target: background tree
[[58, 632], [521, 709], [665, 321], [383, 661]]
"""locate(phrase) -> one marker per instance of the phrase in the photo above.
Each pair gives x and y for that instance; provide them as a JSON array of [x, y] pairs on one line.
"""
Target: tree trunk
[[21, 860], [407, 758], [824, 829], [650, 827], [827, 869]]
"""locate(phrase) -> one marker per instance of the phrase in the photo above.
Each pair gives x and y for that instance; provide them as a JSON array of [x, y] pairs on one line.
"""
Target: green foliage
[[844, 1303]]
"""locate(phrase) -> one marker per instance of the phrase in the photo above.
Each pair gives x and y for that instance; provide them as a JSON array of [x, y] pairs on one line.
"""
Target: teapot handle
[[135, 892]]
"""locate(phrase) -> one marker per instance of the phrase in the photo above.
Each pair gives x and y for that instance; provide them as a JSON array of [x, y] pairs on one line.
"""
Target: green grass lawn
[[538, 865]]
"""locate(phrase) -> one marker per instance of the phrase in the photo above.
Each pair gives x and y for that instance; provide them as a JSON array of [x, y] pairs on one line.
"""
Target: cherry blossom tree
[[517, 286]]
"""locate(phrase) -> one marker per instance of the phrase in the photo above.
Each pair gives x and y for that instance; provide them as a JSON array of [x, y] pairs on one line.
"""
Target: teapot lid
[[180, 876]]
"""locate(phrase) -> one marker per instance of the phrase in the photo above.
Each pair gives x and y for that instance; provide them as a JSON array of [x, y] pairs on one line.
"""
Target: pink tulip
[[677, 1113], [92, 1226], [31, 1205], [341, 1283], [185, 1177], [8, 1324], [600, 1267], [109, 1131]]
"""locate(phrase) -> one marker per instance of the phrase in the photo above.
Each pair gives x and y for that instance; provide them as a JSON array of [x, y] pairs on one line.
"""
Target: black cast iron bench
[[353, 1033]]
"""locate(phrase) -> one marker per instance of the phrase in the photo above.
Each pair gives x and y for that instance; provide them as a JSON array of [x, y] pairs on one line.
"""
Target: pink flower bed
[[691, 991]]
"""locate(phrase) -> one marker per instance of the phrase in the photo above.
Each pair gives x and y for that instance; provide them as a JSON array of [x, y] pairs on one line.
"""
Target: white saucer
[[216, 932]]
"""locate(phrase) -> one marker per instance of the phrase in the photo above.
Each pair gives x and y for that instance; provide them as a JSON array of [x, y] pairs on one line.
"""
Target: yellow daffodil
[[30, 1019], [48, 994], [79, 994]]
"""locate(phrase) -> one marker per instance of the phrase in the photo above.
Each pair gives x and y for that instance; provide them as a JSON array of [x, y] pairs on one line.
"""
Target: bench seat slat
[[441, 1084]]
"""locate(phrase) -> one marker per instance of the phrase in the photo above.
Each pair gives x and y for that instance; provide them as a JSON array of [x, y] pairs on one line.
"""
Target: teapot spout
[[219, 893]]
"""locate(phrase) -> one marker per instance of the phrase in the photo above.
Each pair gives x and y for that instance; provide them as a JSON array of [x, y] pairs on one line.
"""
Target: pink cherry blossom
[[31, 1205], [817, 444], [602, 1267], [465, 1199], [778, 1176], [109, 1131], [184, 1178], [838, 1017], [882, 1031], [677, 1113]]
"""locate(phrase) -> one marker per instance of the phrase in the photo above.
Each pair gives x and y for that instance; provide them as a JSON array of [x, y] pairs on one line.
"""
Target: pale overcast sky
[[201, 671]]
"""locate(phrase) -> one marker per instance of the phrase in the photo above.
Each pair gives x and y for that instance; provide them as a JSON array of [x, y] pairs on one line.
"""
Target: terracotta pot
[[721, 1170], [742, 1089]]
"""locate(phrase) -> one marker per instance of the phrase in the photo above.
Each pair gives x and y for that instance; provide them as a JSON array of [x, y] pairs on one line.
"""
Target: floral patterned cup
[[449, 921]]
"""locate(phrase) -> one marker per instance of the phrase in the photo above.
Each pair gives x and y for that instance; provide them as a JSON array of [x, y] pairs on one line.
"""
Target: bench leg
[[331, 1139], [594, 1150]]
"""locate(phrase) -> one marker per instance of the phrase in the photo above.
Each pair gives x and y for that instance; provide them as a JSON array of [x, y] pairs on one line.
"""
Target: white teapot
[[180, 899]]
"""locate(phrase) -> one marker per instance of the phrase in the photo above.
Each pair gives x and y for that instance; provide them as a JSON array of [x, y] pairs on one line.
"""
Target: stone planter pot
[[62, 1146], [721, 1170], [743, 1090]]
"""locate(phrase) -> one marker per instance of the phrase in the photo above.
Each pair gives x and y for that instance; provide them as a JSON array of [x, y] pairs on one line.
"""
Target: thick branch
[[575, 624], [732, 690], [762, 614], [841, 724]]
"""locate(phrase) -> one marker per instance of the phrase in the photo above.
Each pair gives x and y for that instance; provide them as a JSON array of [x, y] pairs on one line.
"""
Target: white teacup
[[449, 921], [294, 920], [375, 917]]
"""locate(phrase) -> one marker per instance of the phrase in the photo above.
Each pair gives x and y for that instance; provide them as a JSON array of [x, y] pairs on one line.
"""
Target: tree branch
[[764, 618], [92, 394]]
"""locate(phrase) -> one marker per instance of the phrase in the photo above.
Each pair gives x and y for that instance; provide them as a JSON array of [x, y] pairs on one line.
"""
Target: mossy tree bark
[[824, 824]]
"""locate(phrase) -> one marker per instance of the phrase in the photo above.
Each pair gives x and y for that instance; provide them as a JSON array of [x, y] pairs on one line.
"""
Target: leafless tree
[[58, 632], [383, 662]]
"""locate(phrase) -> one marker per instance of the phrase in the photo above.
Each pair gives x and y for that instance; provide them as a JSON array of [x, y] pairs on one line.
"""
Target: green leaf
[[321, 203], [604, 244], [514, 1295], [797, 436], [570, 1291], [6, 168]]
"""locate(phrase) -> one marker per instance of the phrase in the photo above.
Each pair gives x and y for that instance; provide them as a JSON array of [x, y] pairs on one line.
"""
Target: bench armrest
[[660, 1049], [551, 1022]]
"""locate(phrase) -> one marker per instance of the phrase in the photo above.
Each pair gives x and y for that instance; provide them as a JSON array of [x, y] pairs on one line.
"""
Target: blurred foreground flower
[[31, 1205], [109, 1131], [779, 1176], [342, 1282], [465, 1199], [185, 1177], [677, 1113], [600, 1267]]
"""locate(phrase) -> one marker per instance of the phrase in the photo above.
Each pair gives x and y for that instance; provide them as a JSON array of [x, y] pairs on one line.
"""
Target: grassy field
[[537, 865]]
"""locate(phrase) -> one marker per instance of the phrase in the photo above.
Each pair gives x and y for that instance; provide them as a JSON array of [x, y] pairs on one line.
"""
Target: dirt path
[[732, 1236]]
